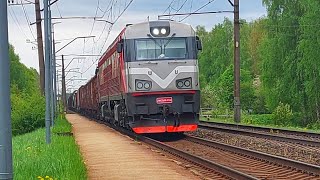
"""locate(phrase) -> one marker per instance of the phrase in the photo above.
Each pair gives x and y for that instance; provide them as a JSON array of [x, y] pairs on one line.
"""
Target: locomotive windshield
[[151, 49]]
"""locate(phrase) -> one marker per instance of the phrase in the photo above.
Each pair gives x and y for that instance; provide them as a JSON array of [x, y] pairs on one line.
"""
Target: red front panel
[[162, 129]]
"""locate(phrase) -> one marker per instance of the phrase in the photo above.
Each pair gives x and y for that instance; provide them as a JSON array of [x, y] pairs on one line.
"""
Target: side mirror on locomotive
[[120, 46], [199, 44]]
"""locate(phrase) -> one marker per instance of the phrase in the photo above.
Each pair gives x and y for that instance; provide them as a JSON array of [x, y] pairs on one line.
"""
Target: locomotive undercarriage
[[144, 115]]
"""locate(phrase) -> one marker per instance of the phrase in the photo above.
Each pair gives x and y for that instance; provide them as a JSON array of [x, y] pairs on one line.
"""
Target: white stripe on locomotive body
[[163, 83]]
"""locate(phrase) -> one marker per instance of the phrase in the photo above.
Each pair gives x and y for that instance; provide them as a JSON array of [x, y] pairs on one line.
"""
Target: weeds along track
[[253, 163], [294, 137]]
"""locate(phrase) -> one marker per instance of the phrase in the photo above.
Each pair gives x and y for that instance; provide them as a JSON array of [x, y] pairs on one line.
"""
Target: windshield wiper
[[154, 41], [173, 35]]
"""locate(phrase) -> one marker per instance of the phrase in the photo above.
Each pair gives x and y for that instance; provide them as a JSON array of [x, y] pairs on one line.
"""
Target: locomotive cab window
[[157, 49]]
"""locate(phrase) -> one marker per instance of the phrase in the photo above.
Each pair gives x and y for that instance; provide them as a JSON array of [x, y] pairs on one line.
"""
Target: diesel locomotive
[[147, 80]]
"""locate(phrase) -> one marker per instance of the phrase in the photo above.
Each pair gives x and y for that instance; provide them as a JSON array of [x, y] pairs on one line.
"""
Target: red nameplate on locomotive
[[164, 100]]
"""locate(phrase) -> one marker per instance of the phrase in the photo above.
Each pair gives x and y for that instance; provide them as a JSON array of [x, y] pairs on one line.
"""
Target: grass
[[259, 124], [34, 159]]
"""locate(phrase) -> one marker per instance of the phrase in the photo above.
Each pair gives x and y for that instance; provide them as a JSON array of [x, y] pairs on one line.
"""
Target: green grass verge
[[34, 159], [260, 124]]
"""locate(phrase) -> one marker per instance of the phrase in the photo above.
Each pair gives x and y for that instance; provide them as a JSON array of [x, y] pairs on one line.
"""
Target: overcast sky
[[138, 11]]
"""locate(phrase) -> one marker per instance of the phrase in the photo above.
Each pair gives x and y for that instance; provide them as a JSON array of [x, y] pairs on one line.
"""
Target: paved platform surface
[[111, 155]]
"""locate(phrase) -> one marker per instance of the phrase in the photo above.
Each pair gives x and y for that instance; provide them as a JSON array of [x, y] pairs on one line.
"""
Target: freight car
[[88, 98], [72, 101], [147, 80]]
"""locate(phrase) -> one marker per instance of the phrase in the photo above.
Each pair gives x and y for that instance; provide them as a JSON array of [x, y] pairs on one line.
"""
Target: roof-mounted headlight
[[155, 31], [160, 31], [163, 31]]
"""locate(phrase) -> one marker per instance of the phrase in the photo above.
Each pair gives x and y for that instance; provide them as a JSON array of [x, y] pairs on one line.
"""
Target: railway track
[[256, 164], [303, 138], [220, 161], [202, 167]]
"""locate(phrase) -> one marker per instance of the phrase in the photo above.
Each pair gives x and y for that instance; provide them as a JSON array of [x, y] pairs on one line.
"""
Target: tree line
[[280, 66], [27, 103]]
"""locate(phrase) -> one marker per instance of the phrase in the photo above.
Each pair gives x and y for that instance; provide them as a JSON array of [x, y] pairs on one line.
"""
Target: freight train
[[147, 80]]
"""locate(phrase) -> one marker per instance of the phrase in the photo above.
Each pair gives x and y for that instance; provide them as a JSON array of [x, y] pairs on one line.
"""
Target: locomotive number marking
[[164, 100]]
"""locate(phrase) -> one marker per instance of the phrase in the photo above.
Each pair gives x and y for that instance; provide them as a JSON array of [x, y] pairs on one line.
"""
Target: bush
[[283, 115], [314, 126], [261, 119], [27, 103], [27, 113]]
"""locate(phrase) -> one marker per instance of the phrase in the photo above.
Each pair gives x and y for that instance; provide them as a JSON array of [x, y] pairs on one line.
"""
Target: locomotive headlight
[[139, 85], [184, 83], [160, 31], [180, 84], [155, 31], [147, 85], [142, 85], [163, 31], [187, 83]]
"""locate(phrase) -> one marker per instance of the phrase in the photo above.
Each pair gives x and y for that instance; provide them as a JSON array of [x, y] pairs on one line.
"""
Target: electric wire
[[210, 1], [191, 5], [58, 9], [180, 8], [109, 31], [95, 16], [127, 6], [108, 8], [168, 8], [15, 19], [28, 20]]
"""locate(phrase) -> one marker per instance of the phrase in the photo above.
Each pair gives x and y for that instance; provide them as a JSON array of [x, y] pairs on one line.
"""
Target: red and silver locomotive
[[147, 80]]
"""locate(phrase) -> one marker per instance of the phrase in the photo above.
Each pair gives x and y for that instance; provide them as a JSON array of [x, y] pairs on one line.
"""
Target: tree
[[27, 103], [280, 78], [309, 64]]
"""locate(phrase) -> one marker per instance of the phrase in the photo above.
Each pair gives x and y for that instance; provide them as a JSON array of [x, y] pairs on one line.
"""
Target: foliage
[[217, 70], [216, 55], [33, 158], [263, 119], [282, 115], [309, 65], [27, 104], [24, 79], [208, 96], [291, 69], [27, 113], [279, 62]]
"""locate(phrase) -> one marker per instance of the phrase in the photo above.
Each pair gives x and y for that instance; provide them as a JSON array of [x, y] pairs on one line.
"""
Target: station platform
[[110, 155]]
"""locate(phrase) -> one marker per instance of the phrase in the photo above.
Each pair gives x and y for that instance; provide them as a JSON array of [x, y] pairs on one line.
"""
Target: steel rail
[[304, 167], [224, 170], [232, 173], [235, 130], [267, 129]]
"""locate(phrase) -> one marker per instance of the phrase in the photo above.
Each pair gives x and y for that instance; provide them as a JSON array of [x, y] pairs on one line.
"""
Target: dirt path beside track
[[111, 155]]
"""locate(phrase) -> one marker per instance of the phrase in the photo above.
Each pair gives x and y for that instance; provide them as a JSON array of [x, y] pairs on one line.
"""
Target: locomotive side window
[[151, 49]]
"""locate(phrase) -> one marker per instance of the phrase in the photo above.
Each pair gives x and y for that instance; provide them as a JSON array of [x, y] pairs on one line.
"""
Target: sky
[[137, 11]]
